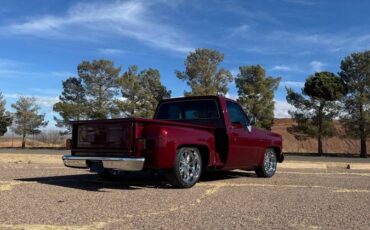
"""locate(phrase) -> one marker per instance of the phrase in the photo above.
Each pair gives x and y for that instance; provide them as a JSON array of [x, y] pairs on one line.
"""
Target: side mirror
[[253, 120]]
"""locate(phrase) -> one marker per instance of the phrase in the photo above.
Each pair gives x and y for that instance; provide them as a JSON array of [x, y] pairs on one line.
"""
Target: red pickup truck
[[187, 136]]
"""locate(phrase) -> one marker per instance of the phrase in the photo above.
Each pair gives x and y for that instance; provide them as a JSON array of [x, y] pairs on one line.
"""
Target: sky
[[43, 41]]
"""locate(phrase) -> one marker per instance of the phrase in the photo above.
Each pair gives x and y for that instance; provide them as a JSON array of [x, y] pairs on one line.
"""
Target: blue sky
[[43, 41]]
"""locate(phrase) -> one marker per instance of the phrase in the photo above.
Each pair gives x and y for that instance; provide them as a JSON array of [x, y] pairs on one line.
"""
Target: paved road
[[49, 196]]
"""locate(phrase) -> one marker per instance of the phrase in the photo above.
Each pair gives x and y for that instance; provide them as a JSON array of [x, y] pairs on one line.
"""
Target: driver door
[[242, 146]]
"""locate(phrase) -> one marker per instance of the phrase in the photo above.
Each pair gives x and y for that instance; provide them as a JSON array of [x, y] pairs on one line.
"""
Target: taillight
[[69, 144], [140, 146]]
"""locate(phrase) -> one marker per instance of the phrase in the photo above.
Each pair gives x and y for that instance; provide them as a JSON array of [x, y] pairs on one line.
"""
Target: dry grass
[[16, 142]]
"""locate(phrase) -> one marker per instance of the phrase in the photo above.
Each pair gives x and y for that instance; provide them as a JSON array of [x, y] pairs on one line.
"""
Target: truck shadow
[[225, 175], [133, 181]]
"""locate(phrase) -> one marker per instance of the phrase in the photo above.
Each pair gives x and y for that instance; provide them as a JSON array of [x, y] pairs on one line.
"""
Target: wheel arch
[[279, 153]]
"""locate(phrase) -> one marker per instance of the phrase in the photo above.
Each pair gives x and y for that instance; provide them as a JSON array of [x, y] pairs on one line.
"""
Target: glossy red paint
[[223, 145], [164, 138]]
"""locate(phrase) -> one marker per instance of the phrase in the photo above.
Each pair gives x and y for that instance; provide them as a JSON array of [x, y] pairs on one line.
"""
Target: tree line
[[100, 91]]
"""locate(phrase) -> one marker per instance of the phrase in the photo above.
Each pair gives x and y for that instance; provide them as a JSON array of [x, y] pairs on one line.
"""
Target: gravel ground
[[49, 196]]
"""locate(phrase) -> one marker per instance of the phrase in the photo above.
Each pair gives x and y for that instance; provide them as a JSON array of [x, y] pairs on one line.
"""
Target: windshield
[[188, 110]]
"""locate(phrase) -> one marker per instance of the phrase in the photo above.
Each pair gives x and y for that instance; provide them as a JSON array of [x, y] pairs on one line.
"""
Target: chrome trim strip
[[120, 163]]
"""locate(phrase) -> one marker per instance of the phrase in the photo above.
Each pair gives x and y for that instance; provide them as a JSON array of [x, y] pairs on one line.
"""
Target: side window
[[236, 114]]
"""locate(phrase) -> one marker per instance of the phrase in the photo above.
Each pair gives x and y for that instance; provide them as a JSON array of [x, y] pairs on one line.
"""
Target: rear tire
[[268, 168], [112, 175], [187, 169]]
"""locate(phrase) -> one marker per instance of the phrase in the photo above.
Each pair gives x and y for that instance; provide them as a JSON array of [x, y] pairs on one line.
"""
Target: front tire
[[268, 168], [187, 169]]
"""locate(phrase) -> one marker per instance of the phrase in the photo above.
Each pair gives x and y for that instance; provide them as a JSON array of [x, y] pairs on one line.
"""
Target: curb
[[320, 165]]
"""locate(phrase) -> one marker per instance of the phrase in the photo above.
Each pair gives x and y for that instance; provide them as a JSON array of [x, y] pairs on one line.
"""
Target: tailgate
[[103, 138]]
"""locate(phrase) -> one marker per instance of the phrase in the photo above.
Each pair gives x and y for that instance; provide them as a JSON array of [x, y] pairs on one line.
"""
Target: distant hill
[[337, 144]]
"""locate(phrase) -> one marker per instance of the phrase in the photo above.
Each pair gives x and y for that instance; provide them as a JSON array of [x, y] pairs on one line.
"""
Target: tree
[[151, 81], [100, 81], [5, 117], [131, 91], [314, 114], [355, 73], [72, 103], [203, 75], [141, 92], [256, 93], [27, 118]]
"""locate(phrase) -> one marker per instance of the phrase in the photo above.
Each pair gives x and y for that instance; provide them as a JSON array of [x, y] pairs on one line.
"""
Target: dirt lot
[[37, 192]]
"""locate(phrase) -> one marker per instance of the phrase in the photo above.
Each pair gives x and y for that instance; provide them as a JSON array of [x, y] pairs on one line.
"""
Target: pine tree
[[72, 104], [131, 91], [141, 92], [256, 93], [27, 119], [316, 107], [5, 117], [355, 73], [100, 81], [203, 75]]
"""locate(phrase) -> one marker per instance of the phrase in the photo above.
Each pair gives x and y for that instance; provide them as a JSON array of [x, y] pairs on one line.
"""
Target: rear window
[[188, 110]]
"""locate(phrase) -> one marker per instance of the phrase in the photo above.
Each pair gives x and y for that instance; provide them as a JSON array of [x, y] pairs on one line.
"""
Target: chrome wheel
[[187, 169], [189, 165], [270, 162], [268, 166]]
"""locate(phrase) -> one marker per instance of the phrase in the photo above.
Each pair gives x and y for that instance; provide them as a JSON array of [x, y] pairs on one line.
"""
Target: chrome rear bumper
[[125, 164]]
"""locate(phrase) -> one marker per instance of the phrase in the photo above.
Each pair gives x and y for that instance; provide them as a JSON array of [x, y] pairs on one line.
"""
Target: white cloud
[[251, 14], [61, 74], [130, 19], [303, 2], [308, 38], [234, 72], [294, 84], [292, 42], [108, 51], [10, 67], [282, 68], [317, 66], [285, 68], [231, 96], [47, 101], [22, 73], [6, 63], [281, 109], [13, 73], [14, 68], [44, 101], [46, 91], [239, 30]]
